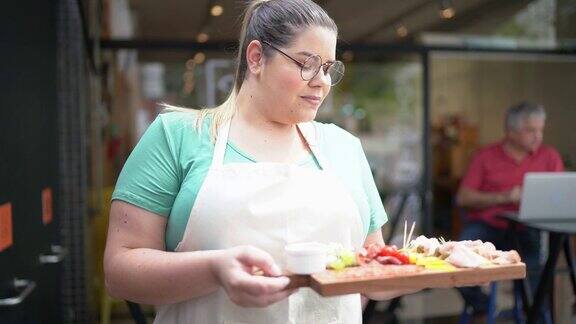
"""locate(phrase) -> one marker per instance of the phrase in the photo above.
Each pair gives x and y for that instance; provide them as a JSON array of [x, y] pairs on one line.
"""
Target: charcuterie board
[[376, 277]]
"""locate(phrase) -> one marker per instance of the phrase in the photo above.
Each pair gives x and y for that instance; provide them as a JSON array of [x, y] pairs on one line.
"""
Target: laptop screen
[[548, 196]]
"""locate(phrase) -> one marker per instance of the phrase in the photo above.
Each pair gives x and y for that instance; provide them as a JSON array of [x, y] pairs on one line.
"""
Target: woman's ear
[[254, 56]]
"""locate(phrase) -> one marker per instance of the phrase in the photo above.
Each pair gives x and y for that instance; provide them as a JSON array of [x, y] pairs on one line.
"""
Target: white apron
[[269, 205]]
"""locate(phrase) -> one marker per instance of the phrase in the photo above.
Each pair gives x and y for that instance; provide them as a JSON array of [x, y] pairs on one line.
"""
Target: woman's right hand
[[234, 271]]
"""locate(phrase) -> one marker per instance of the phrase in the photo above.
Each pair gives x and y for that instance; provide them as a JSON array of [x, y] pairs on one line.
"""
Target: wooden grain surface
[[332, 283]]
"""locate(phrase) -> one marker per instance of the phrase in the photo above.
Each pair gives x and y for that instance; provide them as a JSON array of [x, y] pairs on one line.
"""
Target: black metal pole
[[189, 45], [426, 188], [547, 277], [570, 262]]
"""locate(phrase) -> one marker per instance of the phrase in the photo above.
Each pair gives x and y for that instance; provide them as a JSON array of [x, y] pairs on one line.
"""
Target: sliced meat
[[388, 260], [506, 257]]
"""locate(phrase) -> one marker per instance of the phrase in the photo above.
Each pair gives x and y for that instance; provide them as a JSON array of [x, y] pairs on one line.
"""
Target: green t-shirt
[[169, 164]]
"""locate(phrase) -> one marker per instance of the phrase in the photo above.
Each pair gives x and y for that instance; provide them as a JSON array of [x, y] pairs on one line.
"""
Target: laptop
[[548, 196]]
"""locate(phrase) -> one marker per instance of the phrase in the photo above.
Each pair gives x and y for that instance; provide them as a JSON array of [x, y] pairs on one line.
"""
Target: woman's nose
[[322, 77]]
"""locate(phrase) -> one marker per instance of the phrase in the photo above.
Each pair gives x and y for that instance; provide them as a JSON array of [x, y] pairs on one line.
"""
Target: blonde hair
[[274, 21]]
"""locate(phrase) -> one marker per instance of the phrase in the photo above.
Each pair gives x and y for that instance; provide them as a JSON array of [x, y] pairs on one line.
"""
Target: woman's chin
[[302, 115], [307, 116]]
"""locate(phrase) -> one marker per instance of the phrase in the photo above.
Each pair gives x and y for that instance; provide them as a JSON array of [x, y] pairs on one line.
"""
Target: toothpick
[[404, 238], [410, 235]]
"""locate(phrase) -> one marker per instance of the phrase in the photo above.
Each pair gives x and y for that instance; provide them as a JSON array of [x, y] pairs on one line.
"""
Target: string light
[[216, 10], [190, 64], [188, 76], [401, 31], [199, 58], [202, 37], [446, 9], [188, 88]]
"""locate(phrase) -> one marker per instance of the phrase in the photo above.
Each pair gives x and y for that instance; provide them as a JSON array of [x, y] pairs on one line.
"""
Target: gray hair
[[277, 22], [519, 112]]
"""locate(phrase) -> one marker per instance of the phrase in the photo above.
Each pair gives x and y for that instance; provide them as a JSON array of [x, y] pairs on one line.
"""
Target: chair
[[492, 302], [493, 296]]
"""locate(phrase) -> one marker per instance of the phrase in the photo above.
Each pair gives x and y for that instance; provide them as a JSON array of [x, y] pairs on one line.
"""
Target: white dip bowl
[[305, 258]]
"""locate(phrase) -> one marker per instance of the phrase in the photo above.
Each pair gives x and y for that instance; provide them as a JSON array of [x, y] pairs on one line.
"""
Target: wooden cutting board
[[390, 277]]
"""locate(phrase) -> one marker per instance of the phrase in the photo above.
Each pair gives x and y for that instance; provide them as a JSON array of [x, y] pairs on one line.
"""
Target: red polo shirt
[[493, 170]]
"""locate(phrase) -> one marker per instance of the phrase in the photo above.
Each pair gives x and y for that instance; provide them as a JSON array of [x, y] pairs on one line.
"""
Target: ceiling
[[359, 21]]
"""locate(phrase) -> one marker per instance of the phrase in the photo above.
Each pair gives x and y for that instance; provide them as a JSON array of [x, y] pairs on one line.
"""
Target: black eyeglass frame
[[327, 65]]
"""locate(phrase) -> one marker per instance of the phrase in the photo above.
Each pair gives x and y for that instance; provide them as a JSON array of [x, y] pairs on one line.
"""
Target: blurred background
[[427, 83]]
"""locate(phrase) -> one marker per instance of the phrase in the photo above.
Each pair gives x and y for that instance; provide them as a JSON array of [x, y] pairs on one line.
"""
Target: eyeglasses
[[312, 65]]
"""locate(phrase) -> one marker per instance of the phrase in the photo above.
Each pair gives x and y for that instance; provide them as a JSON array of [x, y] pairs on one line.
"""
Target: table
[[559, 231]]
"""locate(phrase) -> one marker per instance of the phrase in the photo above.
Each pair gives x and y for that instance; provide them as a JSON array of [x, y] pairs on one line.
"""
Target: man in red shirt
[[493, 185]]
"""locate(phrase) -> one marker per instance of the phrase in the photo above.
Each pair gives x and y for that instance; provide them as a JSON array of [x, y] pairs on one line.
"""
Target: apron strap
[[220, 146], [310, 134], [308, 130]]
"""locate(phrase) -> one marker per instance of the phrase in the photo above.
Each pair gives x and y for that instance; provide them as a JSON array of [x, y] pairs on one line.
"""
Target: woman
[[206, 198]]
